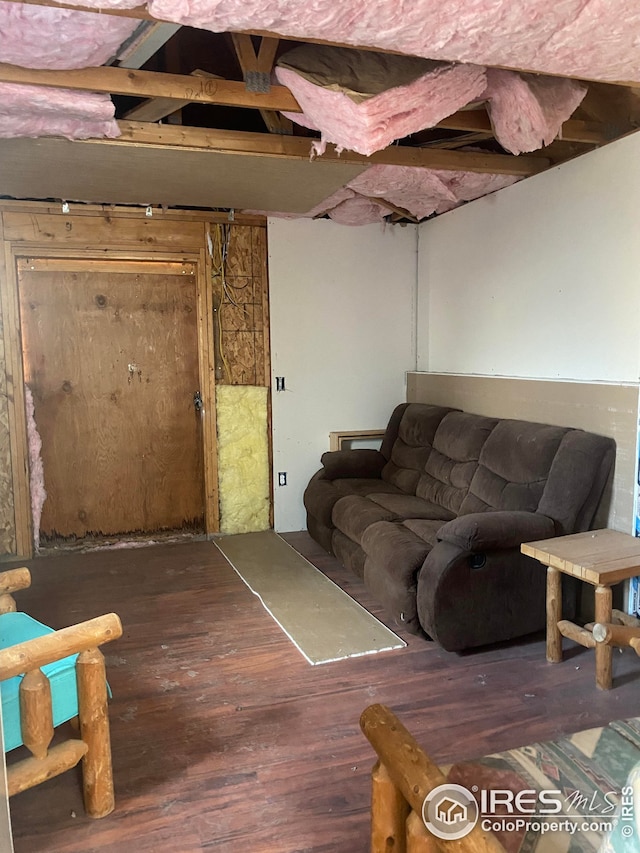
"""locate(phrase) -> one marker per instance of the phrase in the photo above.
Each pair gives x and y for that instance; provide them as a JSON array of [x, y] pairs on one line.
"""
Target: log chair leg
[[97, 775], [419, 840], [389, 811], [36, 715], [7, 603], [604, 652], [554, 615]]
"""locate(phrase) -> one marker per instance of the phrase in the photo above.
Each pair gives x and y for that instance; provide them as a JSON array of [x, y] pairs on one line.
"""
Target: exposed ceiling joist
[[141, 13], [298, 148], [478, 121], [167, 93], [154, 109], [153, 84]]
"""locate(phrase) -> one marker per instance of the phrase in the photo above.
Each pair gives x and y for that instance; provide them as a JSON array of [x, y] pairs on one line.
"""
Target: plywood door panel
[[112, 361]]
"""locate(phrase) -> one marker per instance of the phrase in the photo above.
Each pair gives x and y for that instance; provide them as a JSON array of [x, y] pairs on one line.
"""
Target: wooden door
[[110, 353]]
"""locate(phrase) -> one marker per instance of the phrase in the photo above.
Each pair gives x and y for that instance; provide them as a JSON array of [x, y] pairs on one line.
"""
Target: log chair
[[48, 677], [401, 779]]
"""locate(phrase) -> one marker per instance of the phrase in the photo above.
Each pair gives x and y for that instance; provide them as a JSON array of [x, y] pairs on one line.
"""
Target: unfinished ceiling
[[269, 105]]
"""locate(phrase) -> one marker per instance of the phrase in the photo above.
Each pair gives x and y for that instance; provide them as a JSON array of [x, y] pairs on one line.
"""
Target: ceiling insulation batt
[[49, 38], [593, 39], [379, 190], [527, 111], [36, 111], [363, 101], [45, 37], [426, 191]]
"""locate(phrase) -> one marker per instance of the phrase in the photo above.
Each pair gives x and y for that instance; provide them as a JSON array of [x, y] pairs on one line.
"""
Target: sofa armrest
[[353, 463], [483, 531]]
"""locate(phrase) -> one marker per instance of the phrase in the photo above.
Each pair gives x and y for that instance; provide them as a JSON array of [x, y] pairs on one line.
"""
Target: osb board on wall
[[240, 297], [7, 521], [605, 409]]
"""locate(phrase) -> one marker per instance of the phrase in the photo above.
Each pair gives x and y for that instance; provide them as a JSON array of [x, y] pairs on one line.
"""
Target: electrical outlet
[[282, 478]]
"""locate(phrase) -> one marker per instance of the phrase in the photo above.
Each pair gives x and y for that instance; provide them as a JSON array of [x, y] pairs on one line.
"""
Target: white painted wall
[[342, 334], [541, 279]]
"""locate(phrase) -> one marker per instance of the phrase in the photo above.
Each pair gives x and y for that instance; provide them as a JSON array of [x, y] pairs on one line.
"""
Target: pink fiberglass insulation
[[358, 211], [578, 38], [419, 191], [526, 111], [40, 111], [377, 121], [467, 186], [425, 191], [46, 37], [36, 468]]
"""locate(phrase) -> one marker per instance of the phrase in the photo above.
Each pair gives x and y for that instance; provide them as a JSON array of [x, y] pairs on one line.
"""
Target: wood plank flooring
[[225, 739]]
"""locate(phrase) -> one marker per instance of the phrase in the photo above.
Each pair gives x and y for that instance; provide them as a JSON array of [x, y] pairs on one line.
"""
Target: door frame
[[10, 303]]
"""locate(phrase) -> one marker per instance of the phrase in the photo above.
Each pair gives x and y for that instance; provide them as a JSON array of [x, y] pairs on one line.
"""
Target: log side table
[[602, 558]]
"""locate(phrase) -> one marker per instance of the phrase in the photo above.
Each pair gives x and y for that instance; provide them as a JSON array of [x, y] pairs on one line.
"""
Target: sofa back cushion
[[577, 480], [453, 461], [513, 467], [412, 447]]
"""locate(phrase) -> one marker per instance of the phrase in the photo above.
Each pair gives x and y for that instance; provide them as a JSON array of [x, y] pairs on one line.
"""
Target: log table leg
[[604, 652], [554, 615]]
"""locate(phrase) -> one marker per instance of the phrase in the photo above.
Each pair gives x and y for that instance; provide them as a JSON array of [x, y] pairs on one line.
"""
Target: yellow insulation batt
[[243, 458]]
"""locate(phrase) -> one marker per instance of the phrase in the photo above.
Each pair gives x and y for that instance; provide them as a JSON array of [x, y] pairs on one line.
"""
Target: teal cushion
[[17, 628]]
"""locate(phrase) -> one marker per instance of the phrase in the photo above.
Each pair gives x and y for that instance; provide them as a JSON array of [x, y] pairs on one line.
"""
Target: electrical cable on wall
[[226, 293]]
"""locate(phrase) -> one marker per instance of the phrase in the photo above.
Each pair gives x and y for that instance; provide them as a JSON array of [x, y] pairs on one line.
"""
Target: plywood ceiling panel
[[128, 174]]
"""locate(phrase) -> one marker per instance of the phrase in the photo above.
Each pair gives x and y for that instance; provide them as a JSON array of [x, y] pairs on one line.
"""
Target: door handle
[[198, 405]]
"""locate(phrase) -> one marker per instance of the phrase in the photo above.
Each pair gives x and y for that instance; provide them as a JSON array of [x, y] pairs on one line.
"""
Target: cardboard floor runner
[[321, 620]]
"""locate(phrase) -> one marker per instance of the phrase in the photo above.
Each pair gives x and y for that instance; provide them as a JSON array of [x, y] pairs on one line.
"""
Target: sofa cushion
[[576, 480], [409, 506], [321, 495], [412, 447], [513, 467], [354, 513], [425, 529], [453, 460]]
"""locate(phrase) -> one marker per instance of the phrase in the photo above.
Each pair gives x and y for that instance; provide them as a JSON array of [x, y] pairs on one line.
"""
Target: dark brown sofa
[[433, 521]]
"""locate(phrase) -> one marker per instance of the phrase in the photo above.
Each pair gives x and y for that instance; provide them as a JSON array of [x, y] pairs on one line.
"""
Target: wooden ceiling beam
[[294, 147], [573, 130], [154, 109], [153, 84], [182, 90]]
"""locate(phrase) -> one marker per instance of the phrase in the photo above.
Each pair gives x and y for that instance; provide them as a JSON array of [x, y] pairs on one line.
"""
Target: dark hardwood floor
[[224, 738]]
